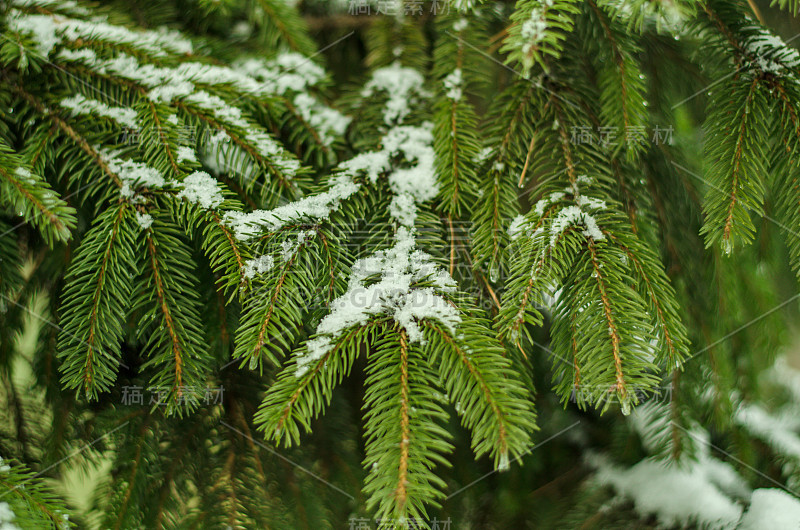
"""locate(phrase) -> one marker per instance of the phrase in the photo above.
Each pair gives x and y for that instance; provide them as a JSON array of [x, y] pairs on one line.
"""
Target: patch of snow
[[771, 53], [591, 203], [319, 206], [7, 515], [329, 123], [201, 188], [787, 376], [770, 509], [288, 72], [83, 55], [80, 105], [258, 265], [572, 215], [402, 86], [677, 495], [186, 154], [131, 172], [24, 174], [533, 30], [453, 85], [145, 220], [399, 267], [418, 181], [483, 154], [289, 248], [540, 205], [374, 163], [516, 227], [772, 429], [51, 30]]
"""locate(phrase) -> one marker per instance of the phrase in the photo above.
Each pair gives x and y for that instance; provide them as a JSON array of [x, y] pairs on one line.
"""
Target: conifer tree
[[309, 264]]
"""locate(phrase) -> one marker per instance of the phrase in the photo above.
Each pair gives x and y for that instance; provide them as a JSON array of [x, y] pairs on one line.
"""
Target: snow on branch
[[80, 105], [412, 182], [49, 31]]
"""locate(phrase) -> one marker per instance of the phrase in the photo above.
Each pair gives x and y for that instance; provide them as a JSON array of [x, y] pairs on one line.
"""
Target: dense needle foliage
[[317, 264]]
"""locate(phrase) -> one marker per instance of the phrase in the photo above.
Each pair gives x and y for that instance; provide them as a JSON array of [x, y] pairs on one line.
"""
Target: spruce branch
[[404, 439], [95, 302], [622, 90], [31, 197], [170, 325], [735, 163], [538, 30], [30, 499], [478, 379]]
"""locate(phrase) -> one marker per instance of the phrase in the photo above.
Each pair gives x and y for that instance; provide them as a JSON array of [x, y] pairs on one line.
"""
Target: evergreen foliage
[[291, 273]]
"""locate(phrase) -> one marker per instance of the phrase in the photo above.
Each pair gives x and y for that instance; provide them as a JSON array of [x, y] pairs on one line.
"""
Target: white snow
[[572, 215], [420, 304], [7, 515], [288, 72], [241, 30], [411, 185], [403, 209], [402, 85], [787, 376], [771, 53], [543, 203], [201, 188], [131, 172], [533, 29], [463, 5], [61, 5], [772, 429], [484, 154], [83, 55], [677, 495], [374, 163], [186, 154], [329, 123], [80, 105], [591, 203], [453, 84], [418, 182], [319, 206], [516, 227], [48, 31], [460, 24], [254, 77], [771, 509], [258, 265], [412, 181], [167, 84], [24, 174], [392, 295], [145, 220], [289, 248]]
